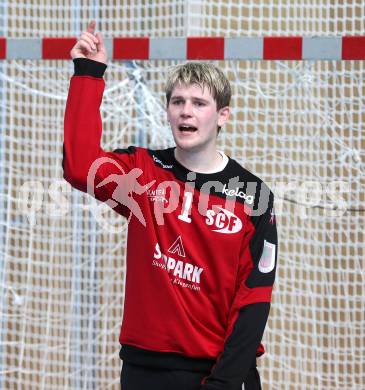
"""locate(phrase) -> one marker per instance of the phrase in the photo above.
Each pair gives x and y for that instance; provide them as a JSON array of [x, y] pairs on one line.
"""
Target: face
[[193, 116]]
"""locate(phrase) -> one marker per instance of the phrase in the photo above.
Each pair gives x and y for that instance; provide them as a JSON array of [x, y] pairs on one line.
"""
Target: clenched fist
[[90, 46]]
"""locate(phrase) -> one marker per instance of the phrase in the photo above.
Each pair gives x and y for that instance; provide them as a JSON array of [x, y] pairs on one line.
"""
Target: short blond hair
[[203, 74]]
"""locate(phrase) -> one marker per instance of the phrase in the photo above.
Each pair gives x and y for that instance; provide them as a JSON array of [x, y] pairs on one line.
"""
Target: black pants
[[135, 377]]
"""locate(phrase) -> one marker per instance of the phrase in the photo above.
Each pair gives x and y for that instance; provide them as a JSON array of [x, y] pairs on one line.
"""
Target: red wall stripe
[[353, 48], [2, 48], [283, 48], [57, 48], [205, 48], [136, 48]]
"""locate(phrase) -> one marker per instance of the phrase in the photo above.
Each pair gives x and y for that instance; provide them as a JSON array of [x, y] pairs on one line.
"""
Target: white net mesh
[[298, 125]]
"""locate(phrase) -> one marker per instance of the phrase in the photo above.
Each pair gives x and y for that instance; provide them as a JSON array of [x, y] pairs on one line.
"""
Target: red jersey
[[201, 248]]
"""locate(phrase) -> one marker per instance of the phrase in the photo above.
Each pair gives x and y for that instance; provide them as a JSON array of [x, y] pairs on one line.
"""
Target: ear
[[223, 115]]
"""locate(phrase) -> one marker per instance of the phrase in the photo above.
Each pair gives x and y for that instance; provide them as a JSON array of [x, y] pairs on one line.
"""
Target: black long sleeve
[[239, 353]]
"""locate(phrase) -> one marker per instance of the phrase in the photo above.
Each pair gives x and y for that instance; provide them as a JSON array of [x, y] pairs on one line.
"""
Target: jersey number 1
[[186, 207]]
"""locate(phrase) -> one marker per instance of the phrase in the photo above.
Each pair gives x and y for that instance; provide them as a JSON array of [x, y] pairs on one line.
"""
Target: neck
[[199, 161]]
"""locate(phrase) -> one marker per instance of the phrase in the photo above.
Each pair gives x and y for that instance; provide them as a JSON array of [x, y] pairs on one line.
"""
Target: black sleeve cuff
[[87, 67]]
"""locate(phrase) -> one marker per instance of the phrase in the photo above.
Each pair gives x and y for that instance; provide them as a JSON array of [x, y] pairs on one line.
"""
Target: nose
[[186, 109]]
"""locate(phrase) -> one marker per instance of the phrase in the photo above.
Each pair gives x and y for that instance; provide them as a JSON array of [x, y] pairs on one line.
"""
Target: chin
[[190, 146], [186, 144]]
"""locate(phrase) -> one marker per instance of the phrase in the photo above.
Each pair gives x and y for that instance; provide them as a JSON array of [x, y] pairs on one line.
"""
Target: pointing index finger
[[91, 27]]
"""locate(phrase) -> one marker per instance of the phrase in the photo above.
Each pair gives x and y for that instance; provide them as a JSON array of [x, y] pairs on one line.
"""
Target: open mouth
[[187, 128]]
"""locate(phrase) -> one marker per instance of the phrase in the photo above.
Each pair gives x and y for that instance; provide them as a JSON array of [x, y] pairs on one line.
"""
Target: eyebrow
[[176, 97]]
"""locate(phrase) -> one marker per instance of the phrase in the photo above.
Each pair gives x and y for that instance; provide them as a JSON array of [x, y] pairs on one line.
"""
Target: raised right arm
[[82, 121], [83, 124]]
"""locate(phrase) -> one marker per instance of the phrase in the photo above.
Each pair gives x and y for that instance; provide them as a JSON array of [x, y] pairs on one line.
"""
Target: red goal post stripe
[[195, 48]]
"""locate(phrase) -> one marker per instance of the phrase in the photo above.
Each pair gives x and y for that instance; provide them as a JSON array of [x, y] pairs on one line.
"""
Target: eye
[[199, 103], [177, 101]]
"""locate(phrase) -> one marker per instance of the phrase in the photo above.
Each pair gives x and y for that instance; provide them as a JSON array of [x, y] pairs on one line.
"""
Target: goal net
[[296, 124]]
